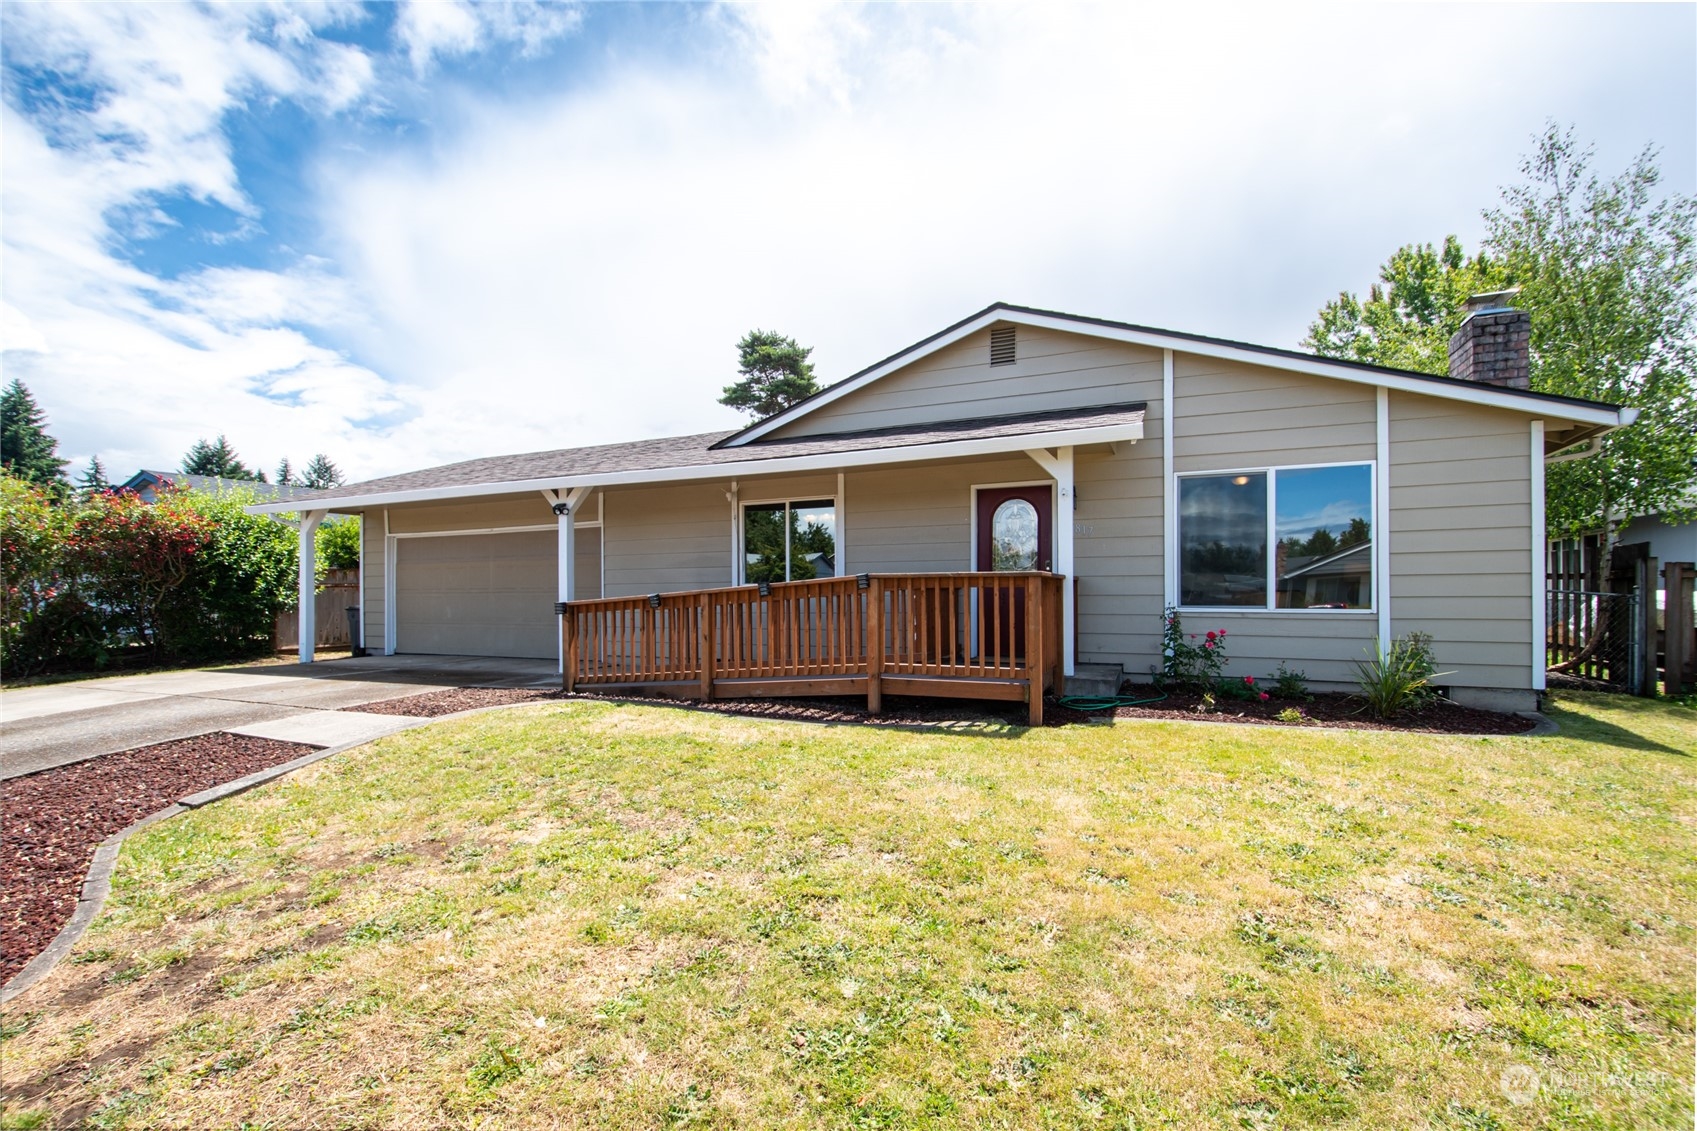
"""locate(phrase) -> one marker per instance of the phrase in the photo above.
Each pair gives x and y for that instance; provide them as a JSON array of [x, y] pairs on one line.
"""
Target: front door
[[1015, 533]]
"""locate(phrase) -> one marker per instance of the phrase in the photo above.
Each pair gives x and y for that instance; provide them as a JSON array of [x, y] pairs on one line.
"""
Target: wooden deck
[[953, 635]]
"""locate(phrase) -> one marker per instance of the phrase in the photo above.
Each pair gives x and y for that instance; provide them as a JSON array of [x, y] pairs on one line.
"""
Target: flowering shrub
[[191, 576], [1243, 689], [1191, 664]]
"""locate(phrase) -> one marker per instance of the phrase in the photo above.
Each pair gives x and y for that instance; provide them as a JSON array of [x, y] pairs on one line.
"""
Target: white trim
[[824, 461], [734, 497], [1540, 660], [306, 618], [742, 505], [360, 643], [478, 530], [1317, 367], [1063, 497], [1271, 472], [1169, 498], [1382, 514], [842, 528], [388, 587]]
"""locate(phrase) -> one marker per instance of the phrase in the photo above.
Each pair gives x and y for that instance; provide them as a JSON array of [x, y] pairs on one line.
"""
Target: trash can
[[353, 631]]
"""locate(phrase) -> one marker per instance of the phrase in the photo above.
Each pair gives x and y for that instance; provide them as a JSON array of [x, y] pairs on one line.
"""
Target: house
[[1309, 506], [148, 484]]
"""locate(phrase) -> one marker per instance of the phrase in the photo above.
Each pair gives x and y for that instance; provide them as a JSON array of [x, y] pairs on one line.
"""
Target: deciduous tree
[[1606, 267]]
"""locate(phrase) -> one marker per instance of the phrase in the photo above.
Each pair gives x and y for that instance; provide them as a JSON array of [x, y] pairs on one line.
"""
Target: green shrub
[[1288, 684], [338, 544], [1398, 679], [191, 576]]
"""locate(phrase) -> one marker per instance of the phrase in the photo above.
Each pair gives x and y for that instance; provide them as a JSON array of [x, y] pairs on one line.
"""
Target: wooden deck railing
[[959, 635]]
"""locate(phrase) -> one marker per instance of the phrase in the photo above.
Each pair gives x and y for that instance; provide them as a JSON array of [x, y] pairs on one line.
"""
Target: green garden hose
[[1105, 702]]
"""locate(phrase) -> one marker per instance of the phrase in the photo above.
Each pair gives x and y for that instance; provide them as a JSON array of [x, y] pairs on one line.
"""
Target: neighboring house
[[1156, 468], [148, 484]]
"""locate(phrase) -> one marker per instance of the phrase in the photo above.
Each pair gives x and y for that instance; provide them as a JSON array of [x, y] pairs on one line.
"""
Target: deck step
[[1095, 679]]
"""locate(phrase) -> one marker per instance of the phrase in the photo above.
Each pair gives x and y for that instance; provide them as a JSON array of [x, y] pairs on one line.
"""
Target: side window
[[1320, 524], [789, 541]]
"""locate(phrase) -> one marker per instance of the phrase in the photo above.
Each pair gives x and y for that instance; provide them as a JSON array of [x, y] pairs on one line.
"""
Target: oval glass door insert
[[1013, 536]]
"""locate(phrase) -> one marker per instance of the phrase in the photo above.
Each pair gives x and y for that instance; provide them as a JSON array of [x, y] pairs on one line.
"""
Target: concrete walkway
[[42, 727]]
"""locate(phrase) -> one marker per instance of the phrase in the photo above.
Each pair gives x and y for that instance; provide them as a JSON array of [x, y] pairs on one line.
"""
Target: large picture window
[[1279, 538], [789, 541]]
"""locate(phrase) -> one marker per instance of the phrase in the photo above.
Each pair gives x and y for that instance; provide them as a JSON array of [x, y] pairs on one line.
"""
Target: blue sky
[[416, 233]]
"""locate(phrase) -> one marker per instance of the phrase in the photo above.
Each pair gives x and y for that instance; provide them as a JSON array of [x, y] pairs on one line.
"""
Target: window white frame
[[1271, 472], [786, 501]]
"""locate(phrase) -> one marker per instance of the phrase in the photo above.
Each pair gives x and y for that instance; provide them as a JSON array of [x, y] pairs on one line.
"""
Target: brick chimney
[[1494, 344]]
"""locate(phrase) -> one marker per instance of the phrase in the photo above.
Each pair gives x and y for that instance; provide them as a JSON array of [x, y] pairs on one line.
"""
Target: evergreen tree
[[776, 374], [218, 459], [26, 450], [285, 473], [93, 479], [321, 473]]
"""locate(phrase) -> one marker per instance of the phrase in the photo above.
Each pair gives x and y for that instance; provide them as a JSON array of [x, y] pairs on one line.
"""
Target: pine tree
[[285, 473], [321, 473], [93, 479], [776, 374], [218, 459], [26, 450]]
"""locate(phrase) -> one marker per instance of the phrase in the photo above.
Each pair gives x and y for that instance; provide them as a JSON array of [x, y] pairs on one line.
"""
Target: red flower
[[1250, 680], [1265, 697], [1212, 635], [1209, 645]]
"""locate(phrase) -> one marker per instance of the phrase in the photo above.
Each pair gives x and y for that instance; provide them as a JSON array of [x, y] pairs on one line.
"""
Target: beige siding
[[663, 539], [1461, 536], [919, 520], [1117, 547], [586, 564], [1054, 370], [373, 573], [1228, 415], [473, 514]]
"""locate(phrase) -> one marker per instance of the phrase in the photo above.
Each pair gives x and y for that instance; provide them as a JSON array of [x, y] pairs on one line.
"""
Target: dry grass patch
[[588, 914]]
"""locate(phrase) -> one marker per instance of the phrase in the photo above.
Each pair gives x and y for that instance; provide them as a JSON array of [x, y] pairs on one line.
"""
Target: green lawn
[[591, 915]]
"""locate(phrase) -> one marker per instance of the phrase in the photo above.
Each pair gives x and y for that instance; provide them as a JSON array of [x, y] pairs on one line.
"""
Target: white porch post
[[1059, 466], [565, 503], [308, 620]]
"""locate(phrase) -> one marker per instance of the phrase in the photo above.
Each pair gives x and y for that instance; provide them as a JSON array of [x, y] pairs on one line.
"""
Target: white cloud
[[431, 29], [575, 267]]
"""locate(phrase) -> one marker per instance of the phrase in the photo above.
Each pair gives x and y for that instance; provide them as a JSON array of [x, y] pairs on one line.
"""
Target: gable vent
[[1002, 345]]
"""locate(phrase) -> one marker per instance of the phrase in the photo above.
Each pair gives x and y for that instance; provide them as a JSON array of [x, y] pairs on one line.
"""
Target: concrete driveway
[[41, 727]]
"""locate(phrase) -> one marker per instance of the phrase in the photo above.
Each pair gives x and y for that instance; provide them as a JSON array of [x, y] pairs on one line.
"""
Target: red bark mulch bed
[[1332, 710], [55, 819], [434, 704]]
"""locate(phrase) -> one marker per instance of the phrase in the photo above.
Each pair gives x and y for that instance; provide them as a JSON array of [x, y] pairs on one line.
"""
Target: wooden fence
[[336, 594], [957, 635]]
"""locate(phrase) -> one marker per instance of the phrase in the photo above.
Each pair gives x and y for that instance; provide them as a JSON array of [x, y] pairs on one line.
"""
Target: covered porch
[[978, 635]]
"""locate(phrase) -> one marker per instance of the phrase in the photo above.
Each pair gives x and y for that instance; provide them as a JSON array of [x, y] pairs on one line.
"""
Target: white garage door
[[478, 595]]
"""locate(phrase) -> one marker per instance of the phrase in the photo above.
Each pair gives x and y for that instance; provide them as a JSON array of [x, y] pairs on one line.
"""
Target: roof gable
[[1356, 372]]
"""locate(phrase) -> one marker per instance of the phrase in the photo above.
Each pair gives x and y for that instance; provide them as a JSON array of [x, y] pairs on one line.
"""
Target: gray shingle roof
[[217, 484], [699, 450]]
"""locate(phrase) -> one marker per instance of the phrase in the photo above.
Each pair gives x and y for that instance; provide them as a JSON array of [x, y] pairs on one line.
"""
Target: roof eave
[[1128, 432]]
